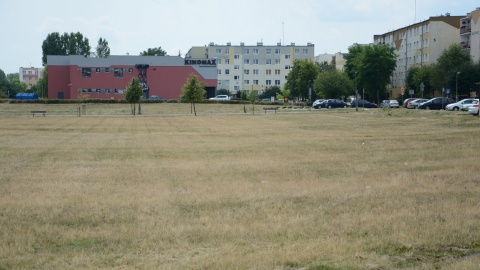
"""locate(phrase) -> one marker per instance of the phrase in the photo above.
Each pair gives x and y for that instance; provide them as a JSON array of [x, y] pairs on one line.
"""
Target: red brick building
[[104, 78]]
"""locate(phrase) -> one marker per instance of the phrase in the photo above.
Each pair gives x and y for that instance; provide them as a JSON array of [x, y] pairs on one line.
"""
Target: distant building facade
[[470, 34], [337, 57], [30, 75], [419, 44], [70, 77], [252, 67]]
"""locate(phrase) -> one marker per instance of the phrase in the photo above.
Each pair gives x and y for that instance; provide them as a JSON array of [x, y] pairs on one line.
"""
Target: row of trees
[[453, 65], [10, 85], [369, 69], [77, 44]]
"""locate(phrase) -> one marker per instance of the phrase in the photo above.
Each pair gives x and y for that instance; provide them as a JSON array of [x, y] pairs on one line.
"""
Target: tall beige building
[[419, 44], [30, 75], [470, 34], [252, 67]]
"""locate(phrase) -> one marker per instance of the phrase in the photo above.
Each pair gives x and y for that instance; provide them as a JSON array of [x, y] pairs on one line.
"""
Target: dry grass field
[[300, 189]]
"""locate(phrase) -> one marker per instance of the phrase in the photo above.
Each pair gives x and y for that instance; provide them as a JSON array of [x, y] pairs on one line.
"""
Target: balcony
[[465, 30], [465, 45]]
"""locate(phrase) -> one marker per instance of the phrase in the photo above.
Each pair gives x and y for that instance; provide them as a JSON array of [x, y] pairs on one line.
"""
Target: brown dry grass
[[298, 189]]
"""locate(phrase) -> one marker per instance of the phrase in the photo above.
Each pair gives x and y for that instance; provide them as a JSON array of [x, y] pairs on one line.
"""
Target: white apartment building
[[419, 44], [470, 34], [252, 67]]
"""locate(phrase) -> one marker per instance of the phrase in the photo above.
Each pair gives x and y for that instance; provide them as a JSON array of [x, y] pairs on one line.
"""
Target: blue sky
[[134, 26]]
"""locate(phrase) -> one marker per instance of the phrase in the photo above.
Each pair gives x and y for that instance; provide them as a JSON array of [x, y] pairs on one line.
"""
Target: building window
[[236, 67], [218, 51], [287, 66], [219, 61], [118, 72], [268, 51], [227, 61], [130, 70], [86, 72], [255, 61], [246, 82], [219, 71], [277, 51], [277, 82], [246, 51], [236, 87], [287, 56], [246, 61], [305, 51], [236, 77], [255, 82], [277, 71], [255, 72], [268, 72], [297, 51], [268, 82], [255, 51], [246, 71], [227, 50], [227, 71], [277, 61], [29, 72], [268, 61], [97, 70], [236, 56], [107, 70]]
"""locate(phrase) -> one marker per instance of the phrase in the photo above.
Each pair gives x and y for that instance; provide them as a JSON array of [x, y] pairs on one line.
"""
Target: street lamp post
[[456, 86]]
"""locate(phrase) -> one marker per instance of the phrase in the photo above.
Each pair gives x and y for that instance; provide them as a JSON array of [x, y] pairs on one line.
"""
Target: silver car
[[414, 103], [459, 105]]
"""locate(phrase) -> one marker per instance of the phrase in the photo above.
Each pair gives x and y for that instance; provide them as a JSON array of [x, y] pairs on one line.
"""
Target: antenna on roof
[[283, 34]]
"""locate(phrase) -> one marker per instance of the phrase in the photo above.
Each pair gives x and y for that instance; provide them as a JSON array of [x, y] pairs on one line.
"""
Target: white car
[[459, 105], [413, 104], [220, 97], [473, 109], [465, 107]]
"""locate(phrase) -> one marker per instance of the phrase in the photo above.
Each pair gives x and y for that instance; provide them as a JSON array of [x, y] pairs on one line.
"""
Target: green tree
[[2, 75], [154, 52], [371, 68], [423, 75], [301, 76], [193, 91], [253, 97], [272, 91], [102, 50], [66, 44], [410, 83], [133, 92], [333, 84], [326, 67], [42, 84], [448, 64]]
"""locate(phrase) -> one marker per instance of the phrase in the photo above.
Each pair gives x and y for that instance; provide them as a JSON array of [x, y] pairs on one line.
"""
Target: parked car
[[413, 104], [220, 97], [362, 103], [473, 109], [333, 103], [465, 107], [407, 101], [316, 103], [459, 105], [438, 103], [157, 98], [389, 104]]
